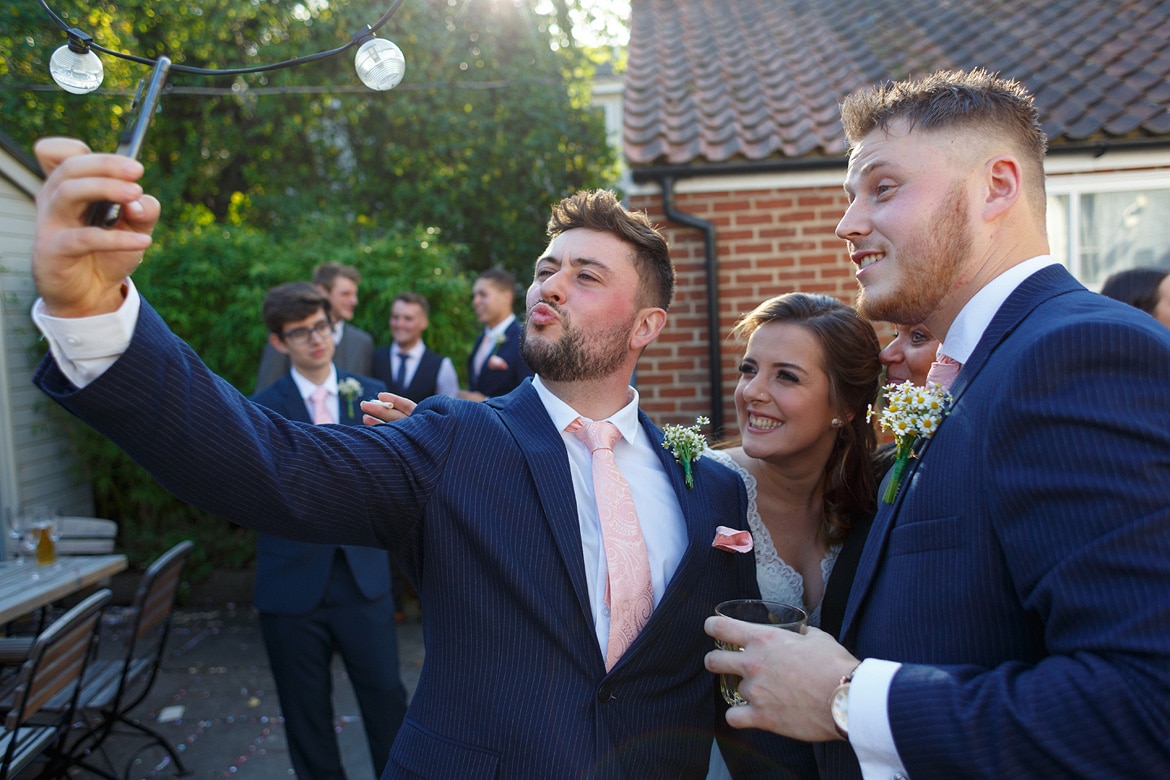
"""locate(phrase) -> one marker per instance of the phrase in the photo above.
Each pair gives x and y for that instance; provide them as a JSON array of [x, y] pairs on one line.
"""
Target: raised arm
[[79, 270]]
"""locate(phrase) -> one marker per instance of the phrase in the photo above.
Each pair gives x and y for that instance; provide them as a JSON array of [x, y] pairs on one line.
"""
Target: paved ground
[[215, 700]]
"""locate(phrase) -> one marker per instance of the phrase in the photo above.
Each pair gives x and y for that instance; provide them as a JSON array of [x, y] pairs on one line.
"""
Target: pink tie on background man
[[629, 591], [943, 372], [321, 413], [481, 354]]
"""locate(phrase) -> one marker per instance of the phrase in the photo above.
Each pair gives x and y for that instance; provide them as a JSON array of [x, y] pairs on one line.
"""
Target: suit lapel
[[548, 464], [1041, 286], [290, 403], [700, 530]]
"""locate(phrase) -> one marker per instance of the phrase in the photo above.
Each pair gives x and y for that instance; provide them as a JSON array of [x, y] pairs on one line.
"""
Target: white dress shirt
[[869, 724], [447, 382], [659, 513]]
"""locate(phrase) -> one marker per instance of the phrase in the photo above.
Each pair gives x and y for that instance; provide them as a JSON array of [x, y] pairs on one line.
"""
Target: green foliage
[[208, 281], [489, 128], [452, 172]]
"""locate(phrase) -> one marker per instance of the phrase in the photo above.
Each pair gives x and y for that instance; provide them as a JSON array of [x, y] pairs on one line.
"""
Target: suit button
[[605, 693]]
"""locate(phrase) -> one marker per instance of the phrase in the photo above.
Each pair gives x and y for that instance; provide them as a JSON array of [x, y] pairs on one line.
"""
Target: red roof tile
[[747, 80]]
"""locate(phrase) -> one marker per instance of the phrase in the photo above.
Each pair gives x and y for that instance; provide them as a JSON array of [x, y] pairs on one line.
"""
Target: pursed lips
[[542, 313]]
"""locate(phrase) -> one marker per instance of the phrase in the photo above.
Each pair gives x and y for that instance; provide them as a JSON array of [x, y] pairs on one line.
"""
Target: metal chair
[[37, 725], [75, 536], [113, 687]]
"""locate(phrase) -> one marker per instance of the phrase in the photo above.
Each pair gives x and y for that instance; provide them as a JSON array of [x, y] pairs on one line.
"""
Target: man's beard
[[569, 359], [928, 268]]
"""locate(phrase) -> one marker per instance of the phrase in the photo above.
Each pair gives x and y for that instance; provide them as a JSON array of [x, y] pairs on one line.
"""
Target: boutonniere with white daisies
[[686, 443], [910, 412], [350, 389]]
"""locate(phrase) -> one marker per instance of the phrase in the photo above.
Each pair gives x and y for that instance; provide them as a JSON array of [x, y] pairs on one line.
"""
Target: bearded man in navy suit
[[1012, 601], [489, 507], [313, 598]]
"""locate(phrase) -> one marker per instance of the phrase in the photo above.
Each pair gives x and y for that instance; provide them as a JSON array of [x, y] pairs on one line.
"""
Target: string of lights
[[75, 67]]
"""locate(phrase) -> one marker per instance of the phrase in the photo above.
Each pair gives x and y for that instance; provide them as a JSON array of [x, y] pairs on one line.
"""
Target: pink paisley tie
[[629, 591], [321, 413], [943, 372]]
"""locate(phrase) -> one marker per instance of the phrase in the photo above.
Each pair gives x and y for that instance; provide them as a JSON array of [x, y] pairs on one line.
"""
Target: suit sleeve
[[1077, 472], [214, 448]]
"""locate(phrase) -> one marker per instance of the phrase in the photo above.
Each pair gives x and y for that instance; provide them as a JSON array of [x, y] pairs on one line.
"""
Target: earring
[[836, 423]]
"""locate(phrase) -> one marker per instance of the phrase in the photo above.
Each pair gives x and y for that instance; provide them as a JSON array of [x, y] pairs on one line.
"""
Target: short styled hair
[[850, 349], [412, 297], [292, 302], [600, 210], [954, 99], [325, 275], [499, 278]]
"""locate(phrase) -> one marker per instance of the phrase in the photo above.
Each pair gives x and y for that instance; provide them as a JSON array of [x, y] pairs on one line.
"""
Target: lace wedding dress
[[777, 580]]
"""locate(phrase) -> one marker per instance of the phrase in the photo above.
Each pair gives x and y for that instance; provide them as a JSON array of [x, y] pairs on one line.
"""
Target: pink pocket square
[[732, 540]]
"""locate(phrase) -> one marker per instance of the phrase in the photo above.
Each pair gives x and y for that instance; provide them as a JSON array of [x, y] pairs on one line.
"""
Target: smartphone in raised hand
[[104, 213]]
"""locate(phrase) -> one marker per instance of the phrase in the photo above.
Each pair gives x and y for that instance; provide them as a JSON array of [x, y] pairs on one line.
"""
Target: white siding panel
[[36, 466]]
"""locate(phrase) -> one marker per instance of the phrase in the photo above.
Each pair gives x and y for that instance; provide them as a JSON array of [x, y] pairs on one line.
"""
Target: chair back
[[55, 665], [153, 605], [85, 536]]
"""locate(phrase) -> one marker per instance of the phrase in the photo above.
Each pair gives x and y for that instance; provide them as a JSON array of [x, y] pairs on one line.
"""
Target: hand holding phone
[[104, 213]]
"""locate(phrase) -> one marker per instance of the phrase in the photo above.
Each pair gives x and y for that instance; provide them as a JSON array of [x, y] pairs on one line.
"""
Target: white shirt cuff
[[869, 721], [85, 347]]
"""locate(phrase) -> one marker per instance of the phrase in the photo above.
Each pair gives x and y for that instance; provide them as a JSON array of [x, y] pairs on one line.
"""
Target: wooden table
[[22, 593]]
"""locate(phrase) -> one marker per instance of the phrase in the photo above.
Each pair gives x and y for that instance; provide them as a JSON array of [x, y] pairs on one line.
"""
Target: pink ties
[[629, 592], [481, 354], [321, 413], [943, 372]]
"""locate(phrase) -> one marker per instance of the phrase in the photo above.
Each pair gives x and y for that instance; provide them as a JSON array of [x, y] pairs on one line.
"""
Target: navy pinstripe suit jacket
[[476, 503], [1022, 574]]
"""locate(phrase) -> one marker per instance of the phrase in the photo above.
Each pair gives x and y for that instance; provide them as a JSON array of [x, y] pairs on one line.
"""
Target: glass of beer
[[770, 613], [44, 535]]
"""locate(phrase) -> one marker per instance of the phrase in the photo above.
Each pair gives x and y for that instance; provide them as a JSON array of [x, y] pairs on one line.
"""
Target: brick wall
[[768, 243]]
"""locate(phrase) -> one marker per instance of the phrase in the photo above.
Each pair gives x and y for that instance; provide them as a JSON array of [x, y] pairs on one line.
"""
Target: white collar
[[306, 387], [499, 327], [624, 419], [414, 353], [973, 319]]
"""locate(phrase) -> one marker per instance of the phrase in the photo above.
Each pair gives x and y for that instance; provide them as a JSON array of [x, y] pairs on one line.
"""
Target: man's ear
[[277, 343], [1004, 179], [648, 325]]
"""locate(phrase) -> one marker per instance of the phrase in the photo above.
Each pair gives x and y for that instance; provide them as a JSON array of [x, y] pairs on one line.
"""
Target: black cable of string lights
[[84, 40]]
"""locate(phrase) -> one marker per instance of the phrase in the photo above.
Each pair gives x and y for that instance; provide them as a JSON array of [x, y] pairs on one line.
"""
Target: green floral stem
[[900, 462], [687, 476]]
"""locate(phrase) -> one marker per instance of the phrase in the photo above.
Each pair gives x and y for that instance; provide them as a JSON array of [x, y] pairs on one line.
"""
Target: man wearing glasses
[[312, 597]]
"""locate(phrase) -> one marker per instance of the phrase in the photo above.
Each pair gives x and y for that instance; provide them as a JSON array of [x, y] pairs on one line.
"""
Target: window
[[1099, 224]]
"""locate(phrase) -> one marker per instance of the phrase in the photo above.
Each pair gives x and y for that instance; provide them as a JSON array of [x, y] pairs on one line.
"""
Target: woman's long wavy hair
[[850, 349]]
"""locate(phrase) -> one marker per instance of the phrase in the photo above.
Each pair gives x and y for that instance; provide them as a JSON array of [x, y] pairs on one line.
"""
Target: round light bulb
[[380, 64], [78, 72]]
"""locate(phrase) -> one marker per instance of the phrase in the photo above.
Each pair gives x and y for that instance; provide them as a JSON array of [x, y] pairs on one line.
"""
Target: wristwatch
[[839, 705]]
